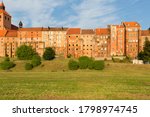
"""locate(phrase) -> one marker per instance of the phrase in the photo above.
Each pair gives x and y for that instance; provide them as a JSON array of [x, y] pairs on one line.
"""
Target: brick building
[[125, 39]]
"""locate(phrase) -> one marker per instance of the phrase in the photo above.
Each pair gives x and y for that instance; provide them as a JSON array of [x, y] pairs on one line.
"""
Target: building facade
[[125, 39]]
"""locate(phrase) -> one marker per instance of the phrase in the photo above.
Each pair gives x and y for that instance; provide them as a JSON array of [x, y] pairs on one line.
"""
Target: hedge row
[[86, 63]]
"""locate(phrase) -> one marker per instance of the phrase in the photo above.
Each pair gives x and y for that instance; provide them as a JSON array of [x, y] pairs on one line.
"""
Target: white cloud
[[88, 13], [34, 12], [95, 13]]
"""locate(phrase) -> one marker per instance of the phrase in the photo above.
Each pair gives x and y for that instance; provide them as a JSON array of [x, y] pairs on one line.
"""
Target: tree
[[36, 60], [49, 54], [7, 64], [25, 52], [145, 54], [84, 62], [99, 65], [73, 65]]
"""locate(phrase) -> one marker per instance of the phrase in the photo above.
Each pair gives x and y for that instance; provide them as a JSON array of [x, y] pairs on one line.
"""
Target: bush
[[73, 65], [91, 64], [49, 54], [84, 62], [36, 60], [99, 65], [7, 64], [25, 52], [28, 66]]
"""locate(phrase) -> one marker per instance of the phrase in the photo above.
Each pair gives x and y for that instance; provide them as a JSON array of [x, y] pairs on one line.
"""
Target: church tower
[[5, 18]]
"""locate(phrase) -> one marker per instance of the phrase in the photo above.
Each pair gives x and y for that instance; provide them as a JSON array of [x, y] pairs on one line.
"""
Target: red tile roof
[[55, 29], [3, 33], [102, 31], [8, 33], [87, 31], [73, 31], [31, 29], [131, 24], [11, 33], [5, 12], [145, 33]]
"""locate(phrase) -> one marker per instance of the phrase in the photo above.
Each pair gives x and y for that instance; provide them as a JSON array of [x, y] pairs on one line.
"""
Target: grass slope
[[49, 81]]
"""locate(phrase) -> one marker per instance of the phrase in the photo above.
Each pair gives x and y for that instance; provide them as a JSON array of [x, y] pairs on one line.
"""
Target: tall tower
[[5, 18]]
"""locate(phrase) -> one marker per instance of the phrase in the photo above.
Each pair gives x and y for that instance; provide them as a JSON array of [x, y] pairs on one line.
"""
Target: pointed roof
[[2, 9], [2, 6]]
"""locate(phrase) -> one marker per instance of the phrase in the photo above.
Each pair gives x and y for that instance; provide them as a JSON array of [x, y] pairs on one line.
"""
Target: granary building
[[125, 39]]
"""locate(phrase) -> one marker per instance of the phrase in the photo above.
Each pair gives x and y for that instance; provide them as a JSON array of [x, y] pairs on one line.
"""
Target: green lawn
[[52, 80]]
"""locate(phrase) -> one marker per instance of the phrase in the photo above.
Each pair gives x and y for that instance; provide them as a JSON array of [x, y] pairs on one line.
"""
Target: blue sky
[[78, 13]]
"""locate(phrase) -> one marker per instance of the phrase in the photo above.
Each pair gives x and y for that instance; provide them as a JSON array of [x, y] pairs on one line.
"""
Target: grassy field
[[53, 80]]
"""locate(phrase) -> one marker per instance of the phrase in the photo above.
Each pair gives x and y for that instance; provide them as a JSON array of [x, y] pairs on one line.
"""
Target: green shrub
[[7, 64], [36, 60], [73, 65], [28, 66], [25, 52], [84, 62], [91, 64], [99, 65], [49, 54]]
